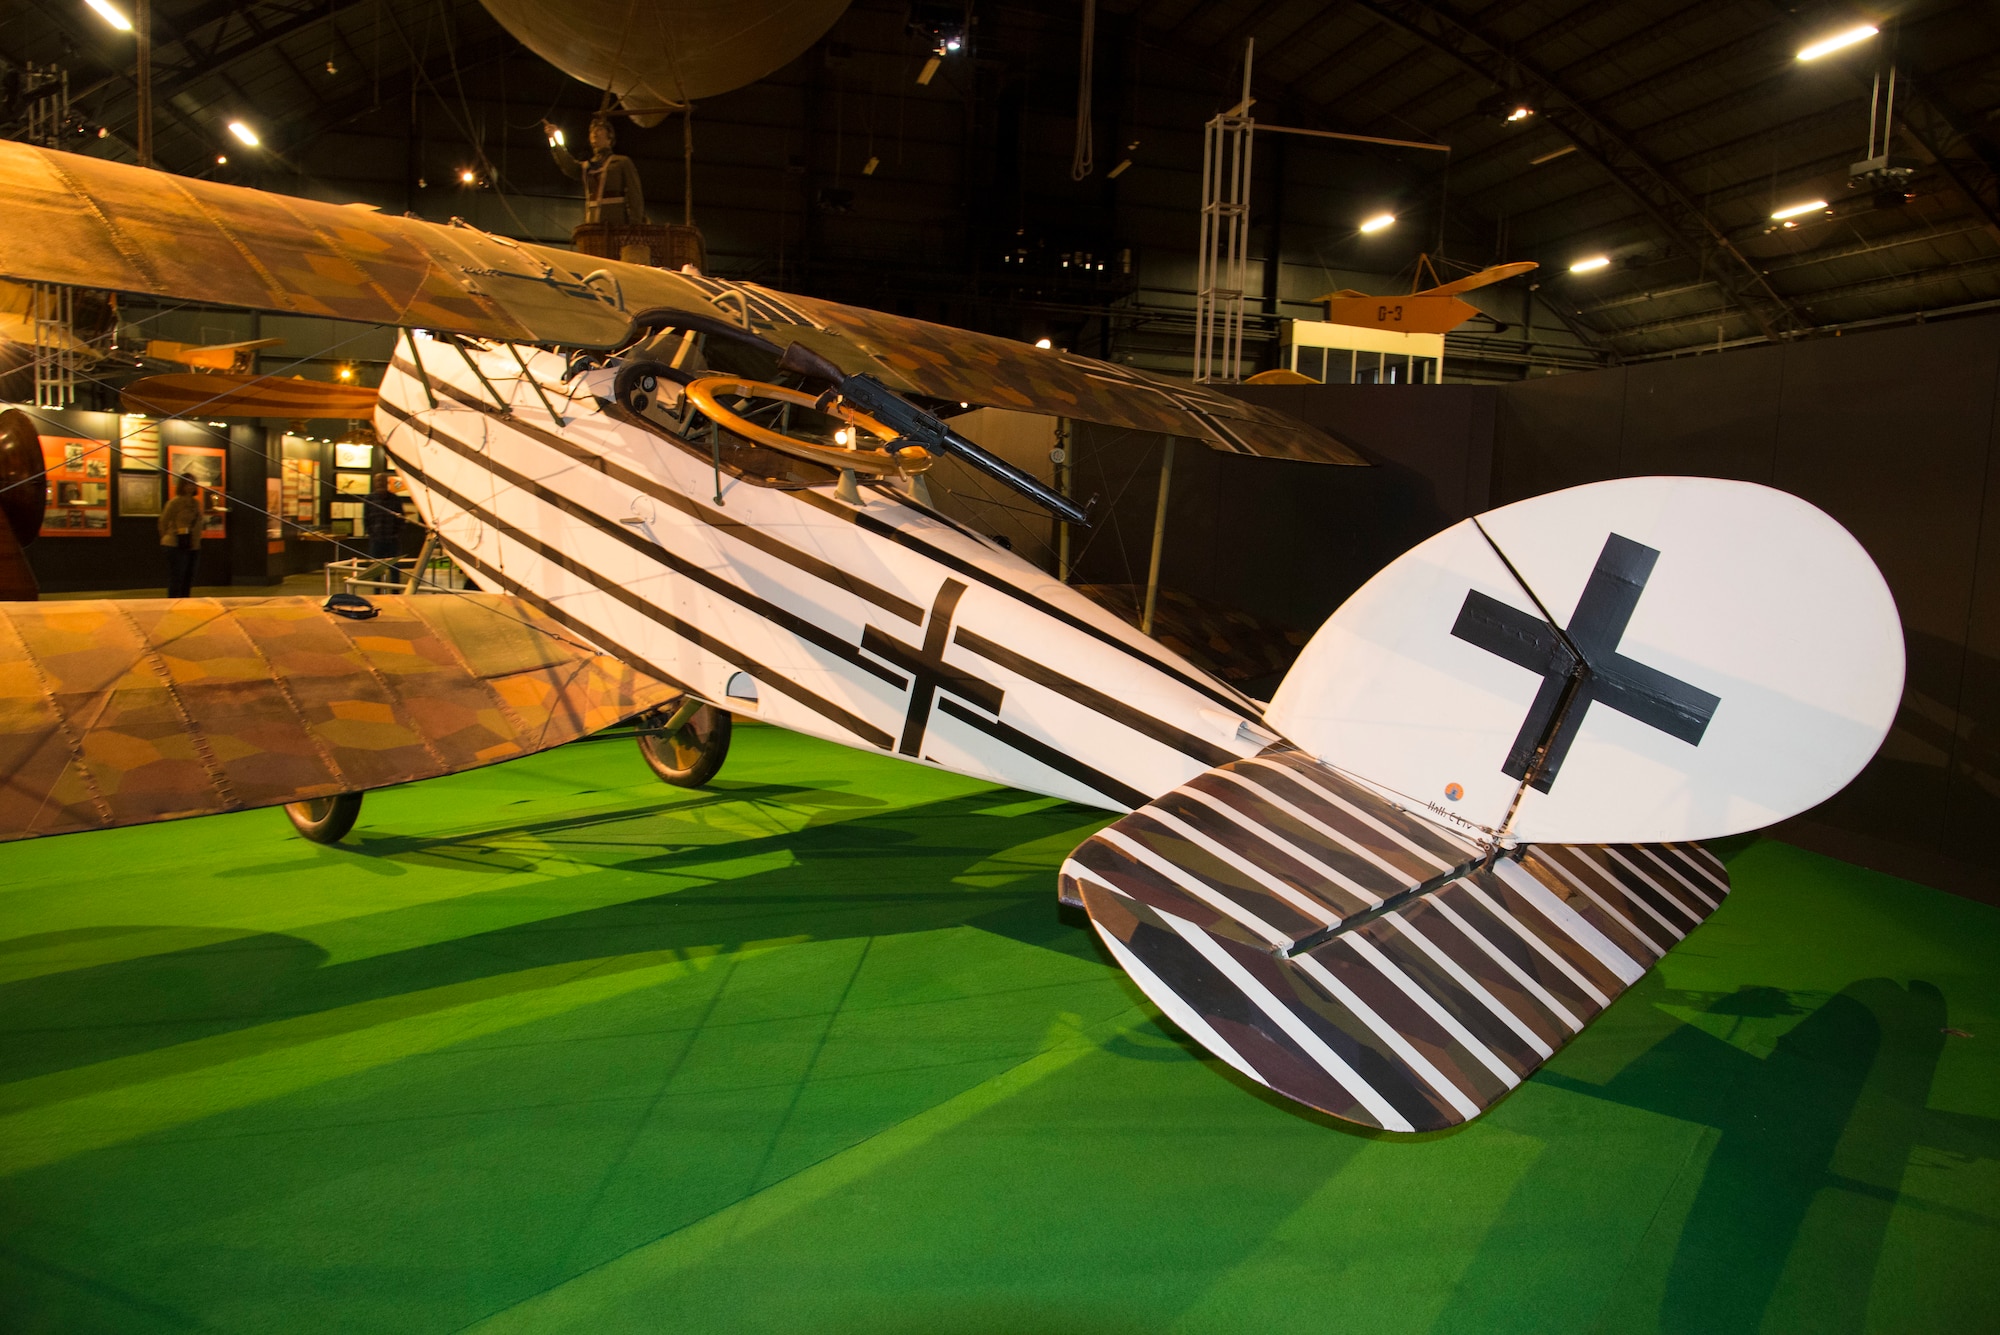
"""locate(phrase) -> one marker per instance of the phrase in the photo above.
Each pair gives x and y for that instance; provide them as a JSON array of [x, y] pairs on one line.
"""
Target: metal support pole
[[1159, 539], [423, 563], [1065, 479], [143, 33]]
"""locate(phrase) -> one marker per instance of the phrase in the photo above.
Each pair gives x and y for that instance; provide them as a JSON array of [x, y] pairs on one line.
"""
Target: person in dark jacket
[[382, 520], [182, 520]]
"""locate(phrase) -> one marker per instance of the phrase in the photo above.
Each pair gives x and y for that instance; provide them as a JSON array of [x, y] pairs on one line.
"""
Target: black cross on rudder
[[1604, 676]]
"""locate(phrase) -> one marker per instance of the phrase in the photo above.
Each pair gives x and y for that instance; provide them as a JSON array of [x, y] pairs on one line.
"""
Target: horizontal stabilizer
[[1359, 960]]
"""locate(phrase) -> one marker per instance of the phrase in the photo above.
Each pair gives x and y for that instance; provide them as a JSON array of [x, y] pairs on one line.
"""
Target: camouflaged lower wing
[[1359, 960], [121, 712]]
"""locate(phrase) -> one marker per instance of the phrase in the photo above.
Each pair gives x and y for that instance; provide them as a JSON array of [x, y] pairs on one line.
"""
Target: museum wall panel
[[1703, 416], [1890, 434], [1893, 434]]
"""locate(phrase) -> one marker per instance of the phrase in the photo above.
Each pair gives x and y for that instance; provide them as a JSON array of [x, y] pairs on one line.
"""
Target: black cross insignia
[[1604, 676], [929, 673]]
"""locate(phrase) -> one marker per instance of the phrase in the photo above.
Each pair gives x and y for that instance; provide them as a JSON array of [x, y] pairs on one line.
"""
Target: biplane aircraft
[[1464, 824]]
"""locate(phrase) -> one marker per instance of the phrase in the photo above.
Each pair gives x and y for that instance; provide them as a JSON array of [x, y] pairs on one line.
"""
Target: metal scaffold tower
[[51, 309], [1222, 275]]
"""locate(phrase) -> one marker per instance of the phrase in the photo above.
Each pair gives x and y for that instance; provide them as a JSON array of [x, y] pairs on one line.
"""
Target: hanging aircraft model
[[1432, 310], [1460, 829]]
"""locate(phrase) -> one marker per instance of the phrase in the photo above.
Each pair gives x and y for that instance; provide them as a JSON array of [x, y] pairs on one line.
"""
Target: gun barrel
[[920, 428], [1065, 509]]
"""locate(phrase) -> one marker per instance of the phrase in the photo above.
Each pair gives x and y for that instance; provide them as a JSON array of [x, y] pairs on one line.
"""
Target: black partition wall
[[1896, 434]]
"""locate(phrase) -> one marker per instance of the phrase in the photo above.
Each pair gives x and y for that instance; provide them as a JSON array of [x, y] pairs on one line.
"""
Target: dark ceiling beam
[[1489, 17], [1687, 228], [417, 77], [1867, 287], [1974, 170], [1736, 187], [1371, 37], [1632, 43], [219, 58]]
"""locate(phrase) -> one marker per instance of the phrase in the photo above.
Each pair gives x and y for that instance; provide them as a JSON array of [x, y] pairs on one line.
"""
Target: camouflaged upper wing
[[86, 222], [121, 712]]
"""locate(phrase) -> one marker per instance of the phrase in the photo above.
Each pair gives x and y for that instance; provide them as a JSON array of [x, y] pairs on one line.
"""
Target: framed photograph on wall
[[138, 443], [351, 484], [351, 454], [79, 501], [139, 494], [208, 466]]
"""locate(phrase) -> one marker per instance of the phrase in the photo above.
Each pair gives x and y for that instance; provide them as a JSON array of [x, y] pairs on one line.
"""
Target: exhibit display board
[[209, 469], [300, 495], [138, 444], [79, 477]]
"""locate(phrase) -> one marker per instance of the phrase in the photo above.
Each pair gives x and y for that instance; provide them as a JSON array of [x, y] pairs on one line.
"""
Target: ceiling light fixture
[[1378, 222], [1520, 114], [244, 133], [1044, 343], [1839, 40], [1595, 262], [222, 159], [1798, 210], [110, 15], [465, 176]]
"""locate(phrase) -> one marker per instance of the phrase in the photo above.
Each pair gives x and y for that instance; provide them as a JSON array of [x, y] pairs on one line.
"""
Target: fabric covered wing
[[996, 372], [121, 712], [86, 222], [1362, 962]]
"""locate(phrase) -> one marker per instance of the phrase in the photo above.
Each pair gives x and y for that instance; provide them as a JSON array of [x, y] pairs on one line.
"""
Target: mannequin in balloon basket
[[612, 192]]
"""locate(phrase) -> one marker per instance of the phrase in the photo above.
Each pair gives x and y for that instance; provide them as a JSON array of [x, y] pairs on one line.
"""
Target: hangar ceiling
[[1663, 136]]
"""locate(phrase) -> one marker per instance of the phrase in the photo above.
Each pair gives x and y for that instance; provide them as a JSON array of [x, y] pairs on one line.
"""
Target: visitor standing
[[382, 520], [182, 520]]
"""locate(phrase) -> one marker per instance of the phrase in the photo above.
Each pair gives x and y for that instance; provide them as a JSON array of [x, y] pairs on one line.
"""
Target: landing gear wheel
[[325, 820], [689, 755]]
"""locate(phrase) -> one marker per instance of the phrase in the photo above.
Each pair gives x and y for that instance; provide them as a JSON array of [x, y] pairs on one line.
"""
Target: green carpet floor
[[552, 1047]]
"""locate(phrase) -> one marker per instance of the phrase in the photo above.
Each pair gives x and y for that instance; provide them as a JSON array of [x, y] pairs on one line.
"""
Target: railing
[[363, 575]]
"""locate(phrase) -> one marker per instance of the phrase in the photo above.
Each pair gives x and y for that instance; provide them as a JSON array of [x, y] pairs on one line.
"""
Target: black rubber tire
[[325, 820], [691, 757]]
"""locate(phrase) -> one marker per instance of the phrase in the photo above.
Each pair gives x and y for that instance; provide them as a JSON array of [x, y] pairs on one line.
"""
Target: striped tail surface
[[1362, 961]]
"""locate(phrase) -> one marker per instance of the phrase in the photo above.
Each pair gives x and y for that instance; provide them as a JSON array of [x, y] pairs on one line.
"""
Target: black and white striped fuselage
[[883, 626]]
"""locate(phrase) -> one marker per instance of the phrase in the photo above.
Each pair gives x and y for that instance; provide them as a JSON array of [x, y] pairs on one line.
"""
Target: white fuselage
[[881, 625]]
